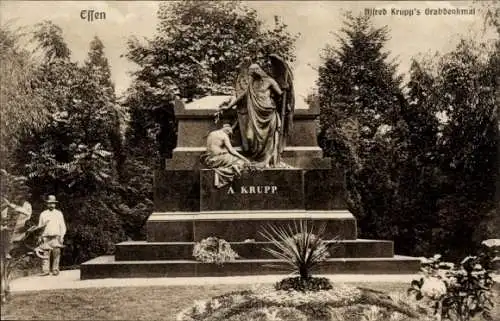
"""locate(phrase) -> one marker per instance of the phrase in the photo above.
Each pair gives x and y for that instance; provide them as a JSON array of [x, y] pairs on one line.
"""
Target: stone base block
[[254, 191], [107, 267], [150, 251], [262, 190], [241, 226], [177, 190]]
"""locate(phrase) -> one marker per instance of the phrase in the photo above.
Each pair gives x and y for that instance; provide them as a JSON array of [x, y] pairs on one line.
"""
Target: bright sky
[[316, 22]]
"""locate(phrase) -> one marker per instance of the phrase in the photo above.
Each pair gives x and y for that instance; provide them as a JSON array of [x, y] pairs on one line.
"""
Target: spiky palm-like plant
[[298, 245]]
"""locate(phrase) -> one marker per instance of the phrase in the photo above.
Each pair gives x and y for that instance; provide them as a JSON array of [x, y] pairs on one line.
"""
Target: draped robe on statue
[[263, 124], [221, 157], [225, 166]]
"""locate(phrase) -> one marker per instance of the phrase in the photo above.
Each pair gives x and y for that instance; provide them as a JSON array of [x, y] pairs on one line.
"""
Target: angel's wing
[[242, 79], [282, 74]]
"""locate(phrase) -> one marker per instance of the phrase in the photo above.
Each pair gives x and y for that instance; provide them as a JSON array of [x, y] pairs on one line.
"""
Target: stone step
[[106, 267], [238, 226], [142, 250]]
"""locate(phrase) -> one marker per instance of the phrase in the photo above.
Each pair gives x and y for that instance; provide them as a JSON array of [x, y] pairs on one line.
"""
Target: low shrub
[[299, 284], [85, 242]]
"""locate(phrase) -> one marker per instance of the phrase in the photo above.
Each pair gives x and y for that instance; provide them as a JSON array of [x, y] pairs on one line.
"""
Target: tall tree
[[73, 156], [360, 99], [50, 40], [22, 110], [418, 190], [357, 76], [451, 146], [97, 66], [97, 63], [194, 53], [463, 98], [199, 43]]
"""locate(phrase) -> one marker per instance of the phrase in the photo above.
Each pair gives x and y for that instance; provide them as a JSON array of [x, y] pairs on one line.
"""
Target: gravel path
[[71, 280]]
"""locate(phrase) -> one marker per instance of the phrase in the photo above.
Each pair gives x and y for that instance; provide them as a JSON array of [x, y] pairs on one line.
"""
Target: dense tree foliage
[[75, 155], [21, 111], [194, 53], [199, 43], [361, 98], [460, 154], [453, 143], [420, 167]]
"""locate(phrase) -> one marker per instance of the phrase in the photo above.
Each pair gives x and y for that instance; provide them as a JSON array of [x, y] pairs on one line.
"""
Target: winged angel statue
[[264, 105]]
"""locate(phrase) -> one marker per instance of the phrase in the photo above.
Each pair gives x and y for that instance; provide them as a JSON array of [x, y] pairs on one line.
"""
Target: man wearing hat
[[53, 236]]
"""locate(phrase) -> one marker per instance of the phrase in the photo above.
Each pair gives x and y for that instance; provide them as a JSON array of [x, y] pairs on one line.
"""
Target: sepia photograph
[[250, 160]]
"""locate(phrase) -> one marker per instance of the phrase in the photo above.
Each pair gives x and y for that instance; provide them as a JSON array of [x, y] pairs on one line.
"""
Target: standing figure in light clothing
[[53, 236]]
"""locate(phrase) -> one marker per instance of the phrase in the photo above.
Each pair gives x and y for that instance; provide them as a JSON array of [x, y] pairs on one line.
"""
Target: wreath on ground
[[214, 250]]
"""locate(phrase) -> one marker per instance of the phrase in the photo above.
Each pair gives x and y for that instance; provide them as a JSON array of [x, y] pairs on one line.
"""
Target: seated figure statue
[[222, 157]]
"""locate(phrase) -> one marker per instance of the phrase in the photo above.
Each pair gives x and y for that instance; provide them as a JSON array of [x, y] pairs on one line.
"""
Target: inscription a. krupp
[[260, 191], [265, 189]]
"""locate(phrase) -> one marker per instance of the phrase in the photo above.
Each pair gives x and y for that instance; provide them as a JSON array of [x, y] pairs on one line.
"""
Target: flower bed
[[264, 303], [214, 250]]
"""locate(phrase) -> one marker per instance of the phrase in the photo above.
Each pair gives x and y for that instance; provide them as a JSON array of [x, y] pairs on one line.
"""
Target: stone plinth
[[177, 191], [238, 226], [196, 119], [260, 190], [270, 189]]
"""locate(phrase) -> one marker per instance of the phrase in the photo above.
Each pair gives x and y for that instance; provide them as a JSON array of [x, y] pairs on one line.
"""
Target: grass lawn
[[128, 303]]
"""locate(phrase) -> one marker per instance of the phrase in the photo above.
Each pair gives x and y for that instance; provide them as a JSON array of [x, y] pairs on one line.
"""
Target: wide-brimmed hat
[[51, 199]]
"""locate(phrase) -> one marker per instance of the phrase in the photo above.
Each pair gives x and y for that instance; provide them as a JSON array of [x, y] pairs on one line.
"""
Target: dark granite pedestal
[[239, 213], [189, 208]]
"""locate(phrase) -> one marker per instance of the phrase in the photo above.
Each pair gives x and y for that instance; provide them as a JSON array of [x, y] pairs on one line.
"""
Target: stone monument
[[263, 166]]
